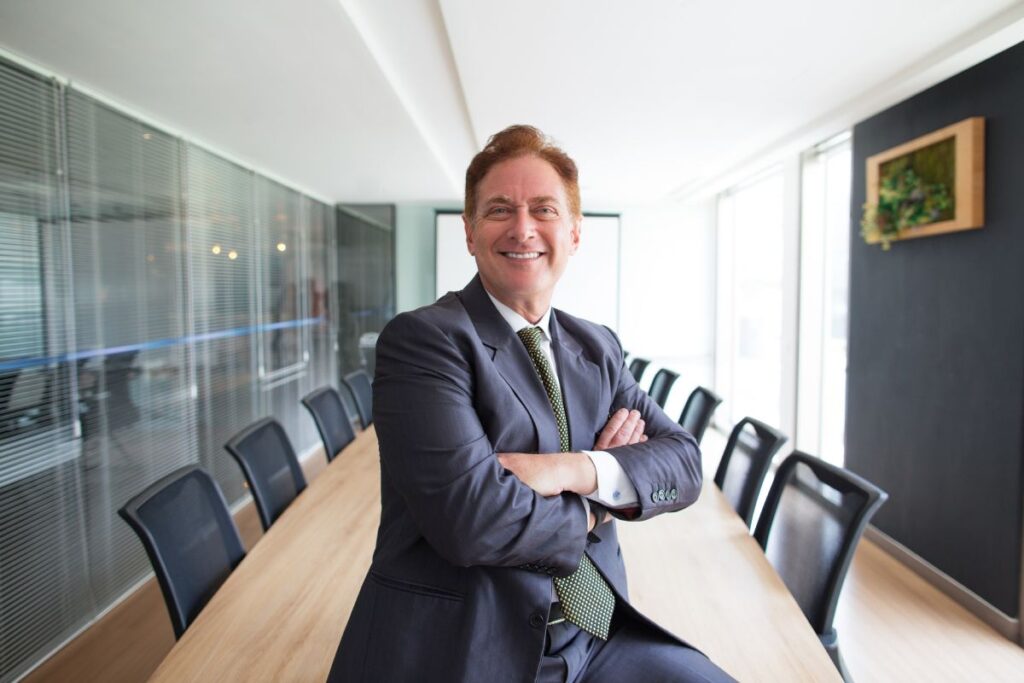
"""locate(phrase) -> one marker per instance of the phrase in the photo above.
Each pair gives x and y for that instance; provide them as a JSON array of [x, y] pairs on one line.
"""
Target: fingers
[[627, 433], [624, 427], [638, 432], [611, 428], [614, 424]]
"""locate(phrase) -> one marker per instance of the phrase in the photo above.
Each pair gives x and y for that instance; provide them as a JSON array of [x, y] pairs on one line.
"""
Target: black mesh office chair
[[637, 367], [268, 462], [331, 419], [661, 385], [192, 542], [812, 520], [697, 412], [360, 387], [745, 462]]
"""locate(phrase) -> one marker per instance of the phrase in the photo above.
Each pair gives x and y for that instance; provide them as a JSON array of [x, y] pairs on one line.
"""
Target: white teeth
[[522, 254]]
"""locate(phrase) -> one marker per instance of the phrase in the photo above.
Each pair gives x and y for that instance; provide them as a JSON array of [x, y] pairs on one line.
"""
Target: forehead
[[522, 179]]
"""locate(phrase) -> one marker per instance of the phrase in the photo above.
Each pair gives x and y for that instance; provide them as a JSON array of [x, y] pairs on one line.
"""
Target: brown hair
[[516, 141]]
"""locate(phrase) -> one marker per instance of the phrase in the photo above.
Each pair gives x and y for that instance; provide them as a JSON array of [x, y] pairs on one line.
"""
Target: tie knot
[[531, 337]]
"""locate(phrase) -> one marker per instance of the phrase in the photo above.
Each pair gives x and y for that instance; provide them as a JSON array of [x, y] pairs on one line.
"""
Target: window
[[824, 293], [141, 284], [749, 339], [43, 590], [366, 290], [278, 250]]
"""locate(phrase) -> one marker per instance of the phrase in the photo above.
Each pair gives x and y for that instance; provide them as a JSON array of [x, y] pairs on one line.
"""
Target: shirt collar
[[518, 322]]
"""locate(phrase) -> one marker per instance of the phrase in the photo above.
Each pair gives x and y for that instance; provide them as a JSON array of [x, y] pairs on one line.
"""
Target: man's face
[[523, 233]]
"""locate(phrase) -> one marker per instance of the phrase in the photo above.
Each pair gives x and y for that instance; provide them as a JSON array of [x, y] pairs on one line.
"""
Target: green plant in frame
[[913, 190]]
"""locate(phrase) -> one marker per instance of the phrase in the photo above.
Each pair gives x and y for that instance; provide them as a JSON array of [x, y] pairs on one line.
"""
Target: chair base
[[831, 642]]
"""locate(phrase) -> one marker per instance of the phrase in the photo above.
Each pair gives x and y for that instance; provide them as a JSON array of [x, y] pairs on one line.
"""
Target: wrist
[[581, 475]]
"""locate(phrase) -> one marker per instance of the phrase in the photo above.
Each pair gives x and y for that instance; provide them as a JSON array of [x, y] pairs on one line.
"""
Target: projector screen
[[589, 288]]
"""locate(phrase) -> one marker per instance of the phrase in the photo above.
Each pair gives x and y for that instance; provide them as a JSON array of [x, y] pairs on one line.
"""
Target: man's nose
[[523, 225]]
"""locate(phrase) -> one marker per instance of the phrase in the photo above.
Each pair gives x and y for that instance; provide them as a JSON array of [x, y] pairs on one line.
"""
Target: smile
[[522, 255]]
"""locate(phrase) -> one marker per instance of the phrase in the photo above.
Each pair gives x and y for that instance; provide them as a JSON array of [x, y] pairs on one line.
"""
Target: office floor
[[895, 626]]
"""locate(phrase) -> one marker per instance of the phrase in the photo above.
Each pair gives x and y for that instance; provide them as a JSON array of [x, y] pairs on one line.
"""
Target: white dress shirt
[[614, 489]]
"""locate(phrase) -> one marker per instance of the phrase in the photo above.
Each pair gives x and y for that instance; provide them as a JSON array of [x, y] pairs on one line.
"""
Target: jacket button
[[661, 494], [654, 497], [673, 494], [536, 620]]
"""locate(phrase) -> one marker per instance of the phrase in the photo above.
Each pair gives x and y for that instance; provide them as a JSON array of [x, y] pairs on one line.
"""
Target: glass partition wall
[[155, 298]]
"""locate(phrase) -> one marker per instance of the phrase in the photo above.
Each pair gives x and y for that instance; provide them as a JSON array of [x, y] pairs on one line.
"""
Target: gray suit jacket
[[460, 584]]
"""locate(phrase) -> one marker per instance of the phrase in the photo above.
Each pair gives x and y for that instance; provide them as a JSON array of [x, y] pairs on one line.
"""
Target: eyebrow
[[506, 200]]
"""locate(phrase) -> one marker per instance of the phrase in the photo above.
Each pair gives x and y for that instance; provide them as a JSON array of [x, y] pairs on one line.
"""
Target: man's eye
[[546, 211], [497, 211]]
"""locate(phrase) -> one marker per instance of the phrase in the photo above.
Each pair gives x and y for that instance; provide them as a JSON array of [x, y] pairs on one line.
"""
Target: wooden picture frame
[[968, 141]]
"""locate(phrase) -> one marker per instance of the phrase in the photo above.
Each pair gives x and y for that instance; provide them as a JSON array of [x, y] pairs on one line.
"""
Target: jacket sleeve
[[435, 451], [666, 469]]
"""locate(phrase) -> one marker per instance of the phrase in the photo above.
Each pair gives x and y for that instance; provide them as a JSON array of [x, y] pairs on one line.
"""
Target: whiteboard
[[589, 288]]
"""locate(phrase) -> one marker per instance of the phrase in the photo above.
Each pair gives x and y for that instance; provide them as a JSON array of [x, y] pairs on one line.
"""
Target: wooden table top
[[700, 574], [280, 615]]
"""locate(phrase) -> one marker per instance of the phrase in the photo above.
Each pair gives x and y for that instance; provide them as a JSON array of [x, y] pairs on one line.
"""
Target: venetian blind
[[44, 592], [130, 317], [143, 279], [221, 247]]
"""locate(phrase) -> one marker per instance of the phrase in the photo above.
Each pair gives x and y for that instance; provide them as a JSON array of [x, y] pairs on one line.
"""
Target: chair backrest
[[697, 412], [745, 462], [268, 462], [809, 528], [661, 385], [637, 367], [331, 419], [191, 540], [360, 386]]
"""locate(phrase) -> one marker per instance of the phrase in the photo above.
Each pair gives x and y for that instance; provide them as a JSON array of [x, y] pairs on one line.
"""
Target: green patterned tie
[[586, 599]]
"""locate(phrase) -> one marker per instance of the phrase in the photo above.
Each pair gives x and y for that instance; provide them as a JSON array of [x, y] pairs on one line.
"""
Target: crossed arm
[[478, 509], [550, 474]]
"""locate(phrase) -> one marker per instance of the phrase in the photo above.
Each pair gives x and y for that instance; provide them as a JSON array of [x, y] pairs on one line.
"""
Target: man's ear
[[574, 233], [469, 235]]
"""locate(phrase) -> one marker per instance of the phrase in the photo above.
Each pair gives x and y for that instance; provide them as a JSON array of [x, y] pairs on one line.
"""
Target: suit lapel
[[512, 362], [579, 379]]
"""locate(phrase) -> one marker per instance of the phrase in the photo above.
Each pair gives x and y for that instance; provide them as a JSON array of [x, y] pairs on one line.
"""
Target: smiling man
[[511, 436]]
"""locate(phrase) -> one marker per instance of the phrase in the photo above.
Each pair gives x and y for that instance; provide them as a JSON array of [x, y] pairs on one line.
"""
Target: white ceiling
[[386, 100]]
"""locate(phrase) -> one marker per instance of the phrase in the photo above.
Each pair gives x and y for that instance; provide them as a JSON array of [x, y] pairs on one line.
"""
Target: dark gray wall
[[935, 389]]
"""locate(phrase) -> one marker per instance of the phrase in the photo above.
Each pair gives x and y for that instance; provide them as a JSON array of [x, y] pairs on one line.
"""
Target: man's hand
[[624, 428], [554, 473]]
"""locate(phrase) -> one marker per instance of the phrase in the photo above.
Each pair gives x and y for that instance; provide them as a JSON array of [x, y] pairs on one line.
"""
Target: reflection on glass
[[366, 291], [282, 303]]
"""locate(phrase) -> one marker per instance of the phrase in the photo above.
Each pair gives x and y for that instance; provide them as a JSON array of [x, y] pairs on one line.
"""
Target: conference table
[[280, 614]]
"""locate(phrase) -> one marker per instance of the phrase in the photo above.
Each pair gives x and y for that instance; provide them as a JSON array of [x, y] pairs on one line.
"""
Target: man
[[507, 430]]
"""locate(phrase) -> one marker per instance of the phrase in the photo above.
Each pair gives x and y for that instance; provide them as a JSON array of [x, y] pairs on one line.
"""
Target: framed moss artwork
[[931, 185]]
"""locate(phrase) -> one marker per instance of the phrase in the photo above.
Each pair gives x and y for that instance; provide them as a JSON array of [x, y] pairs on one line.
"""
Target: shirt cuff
[[614, 489]]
